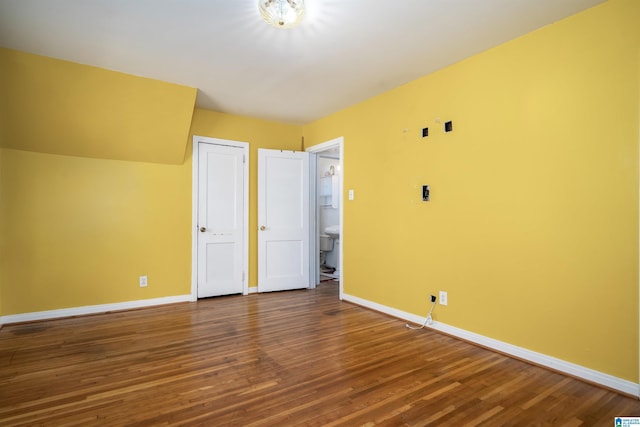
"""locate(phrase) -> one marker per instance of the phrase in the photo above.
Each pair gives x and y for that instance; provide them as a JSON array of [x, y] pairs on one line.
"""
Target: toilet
[[333, 258], [326, 245]]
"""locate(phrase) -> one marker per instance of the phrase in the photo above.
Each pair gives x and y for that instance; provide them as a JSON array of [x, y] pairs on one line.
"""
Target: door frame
[[313, 211], [197, 140]]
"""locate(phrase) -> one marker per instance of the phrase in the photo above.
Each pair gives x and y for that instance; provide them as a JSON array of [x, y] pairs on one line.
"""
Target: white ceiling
[[344, 52]]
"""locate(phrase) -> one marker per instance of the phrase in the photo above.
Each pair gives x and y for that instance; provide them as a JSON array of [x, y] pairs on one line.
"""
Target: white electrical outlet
[[351, 194], [143, 281], [443, 298]]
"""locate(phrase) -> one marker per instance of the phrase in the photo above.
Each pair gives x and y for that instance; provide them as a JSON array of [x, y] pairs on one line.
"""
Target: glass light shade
[[282, 13]]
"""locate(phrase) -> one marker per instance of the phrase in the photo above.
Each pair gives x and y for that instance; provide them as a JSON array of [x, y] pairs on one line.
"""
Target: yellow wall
[[533, 224], [79, 231], [259, 134], [60, 107]]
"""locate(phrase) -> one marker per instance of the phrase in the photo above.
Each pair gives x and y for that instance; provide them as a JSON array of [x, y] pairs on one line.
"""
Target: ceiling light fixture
[[282, 13]]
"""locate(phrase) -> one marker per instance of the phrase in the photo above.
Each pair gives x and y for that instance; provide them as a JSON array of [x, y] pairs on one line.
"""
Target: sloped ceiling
[[59, 107]]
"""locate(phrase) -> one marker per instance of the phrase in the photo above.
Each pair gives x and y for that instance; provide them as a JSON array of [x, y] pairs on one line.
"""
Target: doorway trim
[[197, 140], [316, 149]]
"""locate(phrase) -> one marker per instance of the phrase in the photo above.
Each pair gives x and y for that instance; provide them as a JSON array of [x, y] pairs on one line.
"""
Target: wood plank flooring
[[299, 358]]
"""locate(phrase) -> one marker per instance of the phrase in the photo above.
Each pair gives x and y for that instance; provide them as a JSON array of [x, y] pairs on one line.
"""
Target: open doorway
[[328, 172]]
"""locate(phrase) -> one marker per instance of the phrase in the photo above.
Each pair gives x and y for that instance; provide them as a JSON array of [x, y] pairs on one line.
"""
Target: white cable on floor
[[428, 320]]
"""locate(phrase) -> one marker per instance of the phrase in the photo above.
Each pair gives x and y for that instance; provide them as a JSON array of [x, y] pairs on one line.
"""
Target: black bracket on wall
[[448, 126], [426, 193]]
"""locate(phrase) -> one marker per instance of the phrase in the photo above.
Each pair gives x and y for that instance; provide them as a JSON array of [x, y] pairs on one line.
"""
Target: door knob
[[203, 229], [262, 228]]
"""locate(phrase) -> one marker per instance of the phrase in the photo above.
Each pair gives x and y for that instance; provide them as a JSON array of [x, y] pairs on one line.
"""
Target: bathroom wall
[[328, 215]]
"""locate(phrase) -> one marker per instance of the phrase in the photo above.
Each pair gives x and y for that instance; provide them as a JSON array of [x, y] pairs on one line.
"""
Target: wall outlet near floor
[[443, 298], [143, 281]]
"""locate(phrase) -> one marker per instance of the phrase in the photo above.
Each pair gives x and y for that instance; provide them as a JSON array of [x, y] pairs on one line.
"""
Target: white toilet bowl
[[326, 243]]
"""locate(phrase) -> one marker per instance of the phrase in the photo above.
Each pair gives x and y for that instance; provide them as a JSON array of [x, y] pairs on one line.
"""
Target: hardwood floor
[[300, 358]]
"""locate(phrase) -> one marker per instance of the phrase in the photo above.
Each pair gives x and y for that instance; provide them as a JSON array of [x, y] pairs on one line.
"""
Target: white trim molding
[[91, 309], [587, 374]]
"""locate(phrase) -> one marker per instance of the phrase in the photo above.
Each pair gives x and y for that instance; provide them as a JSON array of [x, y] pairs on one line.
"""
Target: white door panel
[[283, 220], [285, 259], [220, 220]]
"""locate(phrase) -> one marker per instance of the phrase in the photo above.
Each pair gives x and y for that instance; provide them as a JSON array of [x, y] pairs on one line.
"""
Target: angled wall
[[61, 107]]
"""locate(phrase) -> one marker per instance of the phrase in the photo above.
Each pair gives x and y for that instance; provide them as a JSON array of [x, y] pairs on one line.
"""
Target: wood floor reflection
[[298, 358]]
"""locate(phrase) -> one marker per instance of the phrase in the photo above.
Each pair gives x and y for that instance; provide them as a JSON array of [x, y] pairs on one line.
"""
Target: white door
[[283, 220], [220, 220]]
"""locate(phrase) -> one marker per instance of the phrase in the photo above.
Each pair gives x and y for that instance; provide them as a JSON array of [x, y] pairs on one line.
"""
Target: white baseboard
[[91, 309], [253, 290], [569, 368]]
